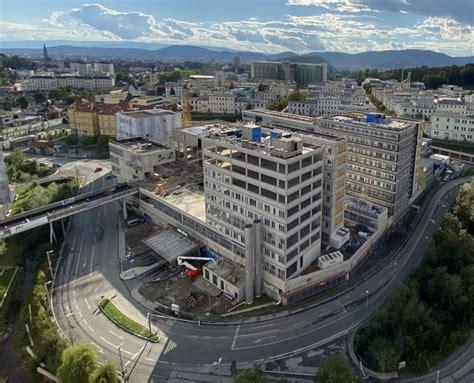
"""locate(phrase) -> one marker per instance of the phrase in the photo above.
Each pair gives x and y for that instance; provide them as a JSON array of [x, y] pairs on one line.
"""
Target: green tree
[[253, 375], [278, 104], [23, 102], [16, 157], [261, 87], [297, 95], [383, 352], [103, 142], [78, 363], [39, 97], [336, 369], [105, 373]]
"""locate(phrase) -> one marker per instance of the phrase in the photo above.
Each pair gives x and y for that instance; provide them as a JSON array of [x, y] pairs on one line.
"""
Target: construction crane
[[185, 106]]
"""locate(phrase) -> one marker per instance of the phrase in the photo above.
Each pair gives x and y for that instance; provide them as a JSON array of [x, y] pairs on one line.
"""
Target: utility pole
[[122, 370]]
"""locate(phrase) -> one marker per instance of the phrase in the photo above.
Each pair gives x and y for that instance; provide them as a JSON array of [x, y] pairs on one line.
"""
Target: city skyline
[[271, 26]]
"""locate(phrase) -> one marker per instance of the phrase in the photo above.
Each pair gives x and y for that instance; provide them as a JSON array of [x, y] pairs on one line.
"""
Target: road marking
[[106, 341], [262, 339], [87, 303], [150, 359], [77, 307], [127, 352], [235, 337], [118, 336], [259, 333], [381, 281], [80, 314], [297, 324], [92, 260]]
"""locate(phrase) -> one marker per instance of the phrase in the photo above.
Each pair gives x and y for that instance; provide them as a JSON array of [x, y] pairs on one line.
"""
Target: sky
[[270, 26]]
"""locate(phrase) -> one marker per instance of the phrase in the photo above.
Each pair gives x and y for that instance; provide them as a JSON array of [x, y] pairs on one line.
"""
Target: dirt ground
[[176, 291]]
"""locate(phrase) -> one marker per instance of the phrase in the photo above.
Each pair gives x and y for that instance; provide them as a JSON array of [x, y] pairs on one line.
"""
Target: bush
[[113, 313]]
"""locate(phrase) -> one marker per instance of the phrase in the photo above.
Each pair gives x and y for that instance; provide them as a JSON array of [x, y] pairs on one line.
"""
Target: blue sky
[[260, 25]]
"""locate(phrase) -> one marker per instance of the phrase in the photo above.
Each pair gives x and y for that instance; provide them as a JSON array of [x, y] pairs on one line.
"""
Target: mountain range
[[377, 59]]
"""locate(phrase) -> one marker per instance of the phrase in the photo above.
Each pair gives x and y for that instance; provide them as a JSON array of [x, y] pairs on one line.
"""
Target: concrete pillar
[[249, 262], [124, 209], [257, 224], [52, 236]]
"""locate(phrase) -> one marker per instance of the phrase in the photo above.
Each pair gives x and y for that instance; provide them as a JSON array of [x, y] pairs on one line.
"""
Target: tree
[[78, 363], [261, 87], [105, 373], [39, 97], [16, 158], [23, 102], [336, 369], [253, 375], [297, 95], [103, 142]]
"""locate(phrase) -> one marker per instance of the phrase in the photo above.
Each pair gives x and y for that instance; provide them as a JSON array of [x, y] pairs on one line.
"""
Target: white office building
[[153, 124]]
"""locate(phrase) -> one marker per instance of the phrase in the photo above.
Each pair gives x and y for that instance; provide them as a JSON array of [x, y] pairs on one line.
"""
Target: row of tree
[[433, 311], [433, 77]]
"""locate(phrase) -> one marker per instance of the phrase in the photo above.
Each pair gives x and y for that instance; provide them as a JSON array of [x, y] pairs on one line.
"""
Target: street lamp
[[219, 363], [367, 303]]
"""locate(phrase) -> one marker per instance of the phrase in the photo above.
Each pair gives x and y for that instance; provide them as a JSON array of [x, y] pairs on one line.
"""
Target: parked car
[[57, 165], [98, 169], [84, 155], [43, 163]]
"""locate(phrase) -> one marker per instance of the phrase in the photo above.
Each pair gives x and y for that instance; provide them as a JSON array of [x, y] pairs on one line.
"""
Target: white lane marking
[[262, 339], [150, 359], [259, 333], [80, 314], [262, 326], [87, 303], [235, 337], [106, 341], [92, 260], [127, 352], [77, 307], [116, 335], [298, 324], [381, 281]]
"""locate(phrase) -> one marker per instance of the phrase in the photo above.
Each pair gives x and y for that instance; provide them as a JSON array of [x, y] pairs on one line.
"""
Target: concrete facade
[[154, 124]]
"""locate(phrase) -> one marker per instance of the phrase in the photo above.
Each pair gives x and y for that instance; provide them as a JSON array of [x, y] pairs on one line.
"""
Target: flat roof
[[140, 145], [189, 199], [147, 113], [170, 245], [228, 270]]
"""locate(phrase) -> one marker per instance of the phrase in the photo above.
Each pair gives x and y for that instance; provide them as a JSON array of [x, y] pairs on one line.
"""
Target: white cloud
[[461, 10], [341, 31]]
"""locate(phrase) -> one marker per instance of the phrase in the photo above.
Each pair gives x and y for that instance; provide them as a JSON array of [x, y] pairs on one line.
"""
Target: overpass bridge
[[62, 209]]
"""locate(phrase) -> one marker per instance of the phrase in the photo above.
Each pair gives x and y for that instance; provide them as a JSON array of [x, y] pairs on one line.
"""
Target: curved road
[[92, 262]]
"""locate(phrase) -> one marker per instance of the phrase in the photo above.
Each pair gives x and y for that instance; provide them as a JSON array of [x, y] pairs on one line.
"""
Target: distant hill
[[391, 59], [172, 52], [126, 49]]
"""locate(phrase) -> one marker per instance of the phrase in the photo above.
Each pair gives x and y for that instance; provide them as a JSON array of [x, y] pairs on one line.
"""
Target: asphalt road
[[90, 270]]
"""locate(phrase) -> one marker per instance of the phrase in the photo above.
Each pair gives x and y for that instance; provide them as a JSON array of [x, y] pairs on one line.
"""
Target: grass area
[[111, 311], [457, 146], [5, 279]]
